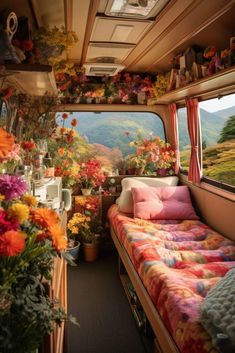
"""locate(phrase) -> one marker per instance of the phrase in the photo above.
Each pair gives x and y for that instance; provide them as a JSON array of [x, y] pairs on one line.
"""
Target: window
[[111, 132], [184, 141], [218, 139]]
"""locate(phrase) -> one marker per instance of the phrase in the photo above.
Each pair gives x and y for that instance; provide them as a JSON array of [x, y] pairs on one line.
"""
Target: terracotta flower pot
[[90, 251]]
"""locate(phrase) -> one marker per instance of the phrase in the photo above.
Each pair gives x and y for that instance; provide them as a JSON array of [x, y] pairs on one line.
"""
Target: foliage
[[50, 44], [36, 115], [219, 162], [66, 148], [161, 84], [228, 131]]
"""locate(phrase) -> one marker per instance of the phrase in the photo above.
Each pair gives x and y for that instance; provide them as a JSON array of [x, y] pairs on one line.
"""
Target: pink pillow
[[168, 202]]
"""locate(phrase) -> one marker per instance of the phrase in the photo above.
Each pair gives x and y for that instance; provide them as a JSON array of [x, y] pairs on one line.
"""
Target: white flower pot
[[86, 192]]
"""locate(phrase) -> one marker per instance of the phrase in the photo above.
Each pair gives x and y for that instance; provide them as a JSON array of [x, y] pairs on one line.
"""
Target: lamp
[[134, 8]]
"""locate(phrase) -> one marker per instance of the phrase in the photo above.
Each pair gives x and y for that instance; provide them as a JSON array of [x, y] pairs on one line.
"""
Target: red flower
[[74, 122], [12, 243], [62, 130], [58, 171], [65, 116], [6, 224], [6, 93], [26, 45], [28, 145]]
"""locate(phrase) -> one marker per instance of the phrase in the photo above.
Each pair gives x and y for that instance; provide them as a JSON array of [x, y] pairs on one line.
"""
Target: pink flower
[[12, 186], [14, 155]]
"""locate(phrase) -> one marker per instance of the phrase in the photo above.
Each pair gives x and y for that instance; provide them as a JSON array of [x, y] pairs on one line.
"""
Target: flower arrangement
[[90, 174], [36, 115], [52, 42], [30, 237], [153, 152], [66, 147], [122, 88]]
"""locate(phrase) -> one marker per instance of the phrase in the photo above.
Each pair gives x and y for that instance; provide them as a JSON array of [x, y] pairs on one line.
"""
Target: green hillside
[[109, 129], [211, 126]]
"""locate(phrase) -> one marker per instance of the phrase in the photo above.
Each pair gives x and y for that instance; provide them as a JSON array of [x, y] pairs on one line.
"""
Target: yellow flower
[[2, 197], [19, 212], [30, 200]]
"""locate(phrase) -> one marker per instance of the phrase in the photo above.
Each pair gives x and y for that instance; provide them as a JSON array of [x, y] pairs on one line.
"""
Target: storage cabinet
[[137, 311], [30, 79]]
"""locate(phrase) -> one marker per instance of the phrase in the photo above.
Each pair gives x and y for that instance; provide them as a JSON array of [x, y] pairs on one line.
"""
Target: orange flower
[[67, 173], [6, 144], [71, 133], [44, 217], [62, 130], [58, 237], [12, 243], [61, 151], [65, 116], [30, 200], [74, 122]]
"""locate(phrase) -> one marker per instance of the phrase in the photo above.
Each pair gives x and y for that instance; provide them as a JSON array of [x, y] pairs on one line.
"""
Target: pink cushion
[[168, 202]]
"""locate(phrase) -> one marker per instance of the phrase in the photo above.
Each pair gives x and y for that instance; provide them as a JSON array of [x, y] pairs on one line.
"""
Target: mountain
[[108, 128], [226, 113], [211, 125]]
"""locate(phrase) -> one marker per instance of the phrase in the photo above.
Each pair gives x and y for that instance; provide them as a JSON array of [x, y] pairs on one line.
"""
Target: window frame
[[218, 184]]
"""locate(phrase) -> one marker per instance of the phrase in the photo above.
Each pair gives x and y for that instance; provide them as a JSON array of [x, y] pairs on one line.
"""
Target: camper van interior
[[117, 176]]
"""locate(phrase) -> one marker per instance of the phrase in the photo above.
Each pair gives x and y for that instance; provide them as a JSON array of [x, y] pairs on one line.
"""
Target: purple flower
[[12, 186]]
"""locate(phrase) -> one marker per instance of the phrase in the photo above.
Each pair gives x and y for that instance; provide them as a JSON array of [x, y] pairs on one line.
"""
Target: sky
[[214, 105]]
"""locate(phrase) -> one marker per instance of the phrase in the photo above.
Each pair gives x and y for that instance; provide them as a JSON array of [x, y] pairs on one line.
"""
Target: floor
[[96, 298]]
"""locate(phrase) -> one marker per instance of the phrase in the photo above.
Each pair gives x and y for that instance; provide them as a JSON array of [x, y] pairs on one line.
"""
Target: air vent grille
[[102, 69]]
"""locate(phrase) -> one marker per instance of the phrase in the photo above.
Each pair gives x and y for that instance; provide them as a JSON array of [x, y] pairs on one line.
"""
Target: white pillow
[[125, 201]]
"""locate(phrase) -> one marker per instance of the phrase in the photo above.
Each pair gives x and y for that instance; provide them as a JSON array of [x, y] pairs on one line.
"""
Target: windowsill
[[211, 188]]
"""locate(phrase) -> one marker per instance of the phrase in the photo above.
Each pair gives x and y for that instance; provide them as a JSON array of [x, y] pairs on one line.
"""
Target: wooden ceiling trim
[[173, 14], [93, 9], [68, 14], [185, 29]]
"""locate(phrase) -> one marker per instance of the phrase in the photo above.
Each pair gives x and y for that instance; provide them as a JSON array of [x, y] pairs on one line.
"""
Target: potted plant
[[153, 154], [89, 176], [122, 166], [90, 245], [86, 228], [136, 164]]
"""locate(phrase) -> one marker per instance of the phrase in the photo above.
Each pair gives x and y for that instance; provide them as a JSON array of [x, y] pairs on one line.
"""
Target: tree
[[228, 131]]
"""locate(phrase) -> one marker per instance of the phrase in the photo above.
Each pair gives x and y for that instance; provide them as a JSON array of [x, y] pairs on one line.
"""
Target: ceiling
[[146, 45]]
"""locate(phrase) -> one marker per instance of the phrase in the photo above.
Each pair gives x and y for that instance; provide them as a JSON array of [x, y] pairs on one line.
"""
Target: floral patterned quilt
[[178, 262]]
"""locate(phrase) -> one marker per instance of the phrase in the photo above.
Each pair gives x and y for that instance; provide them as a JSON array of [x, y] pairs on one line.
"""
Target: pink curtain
[[174, 134], [194, 134]]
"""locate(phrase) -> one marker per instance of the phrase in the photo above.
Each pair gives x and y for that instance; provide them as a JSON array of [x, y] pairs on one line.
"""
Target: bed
[[172, 265]]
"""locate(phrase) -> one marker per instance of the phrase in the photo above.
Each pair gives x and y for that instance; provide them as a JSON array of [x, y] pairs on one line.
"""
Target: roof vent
[[102, 69]]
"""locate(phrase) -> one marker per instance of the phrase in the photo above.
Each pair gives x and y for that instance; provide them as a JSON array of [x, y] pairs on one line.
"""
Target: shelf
[[31, 79], [221, 83]]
